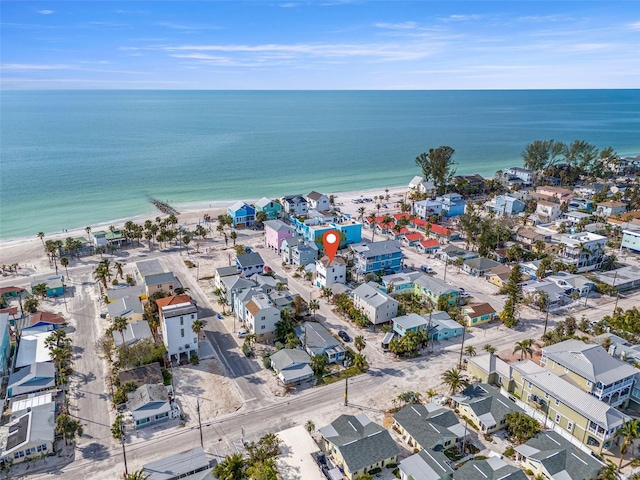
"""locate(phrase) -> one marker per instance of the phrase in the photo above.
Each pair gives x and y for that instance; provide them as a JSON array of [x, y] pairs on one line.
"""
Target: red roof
[[432, 242], [46, 317], [404, 230], [175, 300], [11, 311], [5, 290], [386, 226], [412, 237], [399, 216], [440, 230], [418, 222]]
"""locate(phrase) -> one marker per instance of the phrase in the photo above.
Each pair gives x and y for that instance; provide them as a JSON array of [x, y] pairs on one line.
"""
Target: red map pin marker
[[331, 241]]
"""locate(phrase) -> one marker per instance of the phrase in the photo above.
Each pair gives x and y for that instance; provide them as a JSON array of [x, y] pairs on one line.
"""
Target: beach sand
[[29, 254]]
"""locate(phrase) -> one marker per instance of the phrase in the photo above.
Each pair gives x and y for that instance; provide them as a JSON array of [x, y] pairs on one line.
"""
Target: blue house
[[313, 229], [385, 256], [5, 343], [444, 327], [401, 282], [507, 205], [243, 215], [54, 283], [409, 323], [452, 204]]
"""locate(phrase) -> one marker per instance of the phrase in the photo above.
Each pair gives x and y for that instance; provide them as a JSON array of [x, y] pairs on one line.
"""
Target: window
[[530, 385], [589, 383], [181, 320], [182, 332], [566, 370], [557, 402], [192, 316], [195, 340], [263, 327], [570, 426], [558, 417], [546, 395]]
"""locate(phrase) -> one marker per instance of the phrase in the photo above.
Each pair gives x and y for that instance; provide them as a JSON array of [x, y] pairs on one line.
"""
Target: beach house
[[426, 465], [318, 201], [330, 272], [443, 326], [547, 211], [261, 316], [452, 204], [54, 284], [527, 176], [385, 256], [476, 314], [271, 208], [429, 426], [291, 365], [249, 264], [242, 214], [585, 250], [631, 240], [161, 282], [5, 343], [411, 322], [607, 209], [29, 433], [358, 445], [317, 340], [479, 266], [378, 306], [432, 288], [295, 205], [492, 468], [421, 186], [505, 205], [35, 377], [177, 314], [484, 406], [275, 231], [149, 404]]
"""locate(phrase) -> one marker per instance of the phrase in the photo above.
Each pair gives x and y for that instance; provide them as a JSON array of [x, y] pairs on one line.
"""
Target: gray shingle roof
[[492, 468], [158, 278], [559, 457], [288, 356], [249, 260], [587, 405], [375, 249], [426, 465], [315, 336], [487, 404], [429, 424], [412, 320], [361, 442], [482, 264], [277, 225], [369, 293], [435, 285], [589, 361]]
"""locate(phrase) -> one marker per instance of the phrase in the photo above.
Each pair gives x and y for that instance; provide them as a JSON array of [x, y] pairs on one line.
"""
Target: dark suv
[[343, 335]]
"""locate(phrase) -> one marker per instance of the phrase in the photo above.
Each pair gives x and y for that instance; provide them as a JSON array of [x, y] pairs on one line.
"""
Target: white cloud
[[187, 27], [28, 66], [398, 26], [461, 18], [634, 26], [45, 12]]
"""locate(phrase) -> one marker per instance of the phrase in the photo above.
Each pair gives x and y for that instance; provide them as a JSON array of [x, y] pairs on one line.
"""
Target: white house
[[329, 273], [149, 404], [318, 201], [261, 316], [585, 250], [631, 240], [548, 211], [420, 185], [177, 315], [295, 205], [376, 305], [607, 209], [526, 175]]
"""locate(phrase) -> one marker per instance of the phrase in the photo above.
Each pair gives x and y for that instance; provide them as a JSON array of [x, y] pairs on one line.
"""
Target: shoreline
[[25, 249]]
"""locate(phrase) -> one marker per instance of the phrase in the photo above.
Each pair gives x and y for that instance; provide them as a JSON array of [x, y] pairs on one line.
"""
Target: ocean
[[70, 159]]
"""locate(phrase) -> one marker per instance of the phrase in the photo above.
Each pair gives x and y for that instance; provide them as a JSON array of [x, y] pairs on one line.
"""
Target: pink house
[[275, 231]]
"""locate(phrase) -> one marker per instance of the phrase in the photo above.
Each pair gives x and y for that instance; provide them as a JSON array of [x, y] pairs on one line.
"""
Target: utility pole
[[346, 391], [546, 319], [199, 421], [464, 440], [124, 453], [446, 262]]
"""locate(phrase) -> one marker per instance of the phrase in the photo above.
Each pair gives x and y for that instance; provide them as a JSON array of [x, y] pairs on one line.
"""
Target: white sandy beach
[[28, 252]]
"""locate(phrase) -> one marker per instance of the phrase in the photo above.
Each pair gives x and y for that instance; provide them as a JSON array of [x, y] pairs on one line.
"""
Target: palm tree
[[524, 347], [231, 468], [64, 261], [314, 306], [118, 266], [41, 237], [361, 211], [196, 326], [309, 426], [360, 362], [40, 289], [489, 348], [372, 220], [68, 427], [138, 475], [608, 472], [455, 380], [55, 339], [431, 393], [629, 432], [470, 351], [359, 342], [120, 325]]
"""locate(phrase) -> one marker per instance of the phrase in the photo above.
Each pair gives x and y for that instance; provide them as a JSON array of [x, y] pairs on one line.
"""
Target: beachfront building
[[425, 209], [484, 406], [591, 189], [177, 314], [317, 340], [505, 205], [378, 306], [275, 231], [585, 250], [452, 204], [330, 272], [295, 205], [550, 455], [5, 343], [552, 399], [429, 426], [476, 314], [421, 186], [527, 176], [249, 264], [242, 214], [54, 284], [271, 208], [358, 445], [261, 316], [607, 209], [631, 240], [318, 201], [591, 368], [385, 256], [313, 229]]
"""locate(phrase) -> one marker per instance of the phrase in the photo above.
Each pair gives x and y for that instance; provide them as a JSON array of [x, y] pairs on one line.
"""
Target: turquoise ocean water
[[74, 158]]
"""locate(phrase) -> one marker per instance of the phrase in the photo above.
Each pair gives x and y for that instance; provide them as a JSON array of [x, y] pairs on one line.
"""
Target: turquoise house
[[55, 285], [5, 343], [243, 215], [270, 207], [313, 230], [444, 327]]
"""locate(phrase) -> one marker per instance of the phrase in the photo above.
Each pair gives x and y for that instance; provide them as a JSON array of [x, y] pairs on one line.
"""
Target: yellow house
[[560, 403], [161, 282], [429, 426], [359, 445], [489, 368], [550, 455], [476, 314], [592, 369], [484, 406]]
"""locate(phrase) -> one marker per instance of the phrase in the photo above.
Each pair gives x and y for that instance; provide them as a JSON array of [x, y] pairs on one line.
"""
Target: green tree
[[310, 426], [470, 351], [40, 289], [359, 342], [64, 261], [41, 237], [360, 362], [232, 467], [608, 472], [120, 325], [489, 348], [118, 266], [234, 236], [30, 304], [137, 475], [284, 327], [437, 165], [513, 289], [521, 426], [628, 432], [525, 347], [314, 306], [117, 428], [542, 154], [455, 380], [318, 365], [68, 428], [197, 327]]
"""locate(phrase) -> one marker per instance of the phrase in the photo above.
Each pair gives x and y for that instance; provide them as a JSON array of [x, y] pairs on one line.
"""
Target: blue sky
[[320, 44]]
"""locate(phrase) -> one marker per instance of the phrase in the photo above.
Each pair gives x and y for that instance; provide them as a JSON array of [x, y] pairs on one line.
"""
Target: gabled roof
[[313, 195], [429, 424], [493, 468], [134, 332], [240, 206], [412, 320], [46, 317], [315, 337], [578, 400], [125, 306], [287, 357], [487, 404], [159, 278], [480, 263], [149, 267], [148, 397], [490, 363], [249, 260], [435, 285], [33, 377], [371, 295], [11, 290], [264, 201], [151, 373], [412, 237], [590, 361], [560, 458], [375, 249], [173, 300], [430, 243], [277, 225], [479, 309], [427, 465], [179, 465], [361, 442]]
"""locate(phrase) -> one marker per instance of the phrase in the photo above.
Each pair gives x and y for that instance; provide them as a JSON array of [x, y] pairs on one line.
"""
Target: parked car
[[242, 333], [343, 335], [267, 269], [427, 269]]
